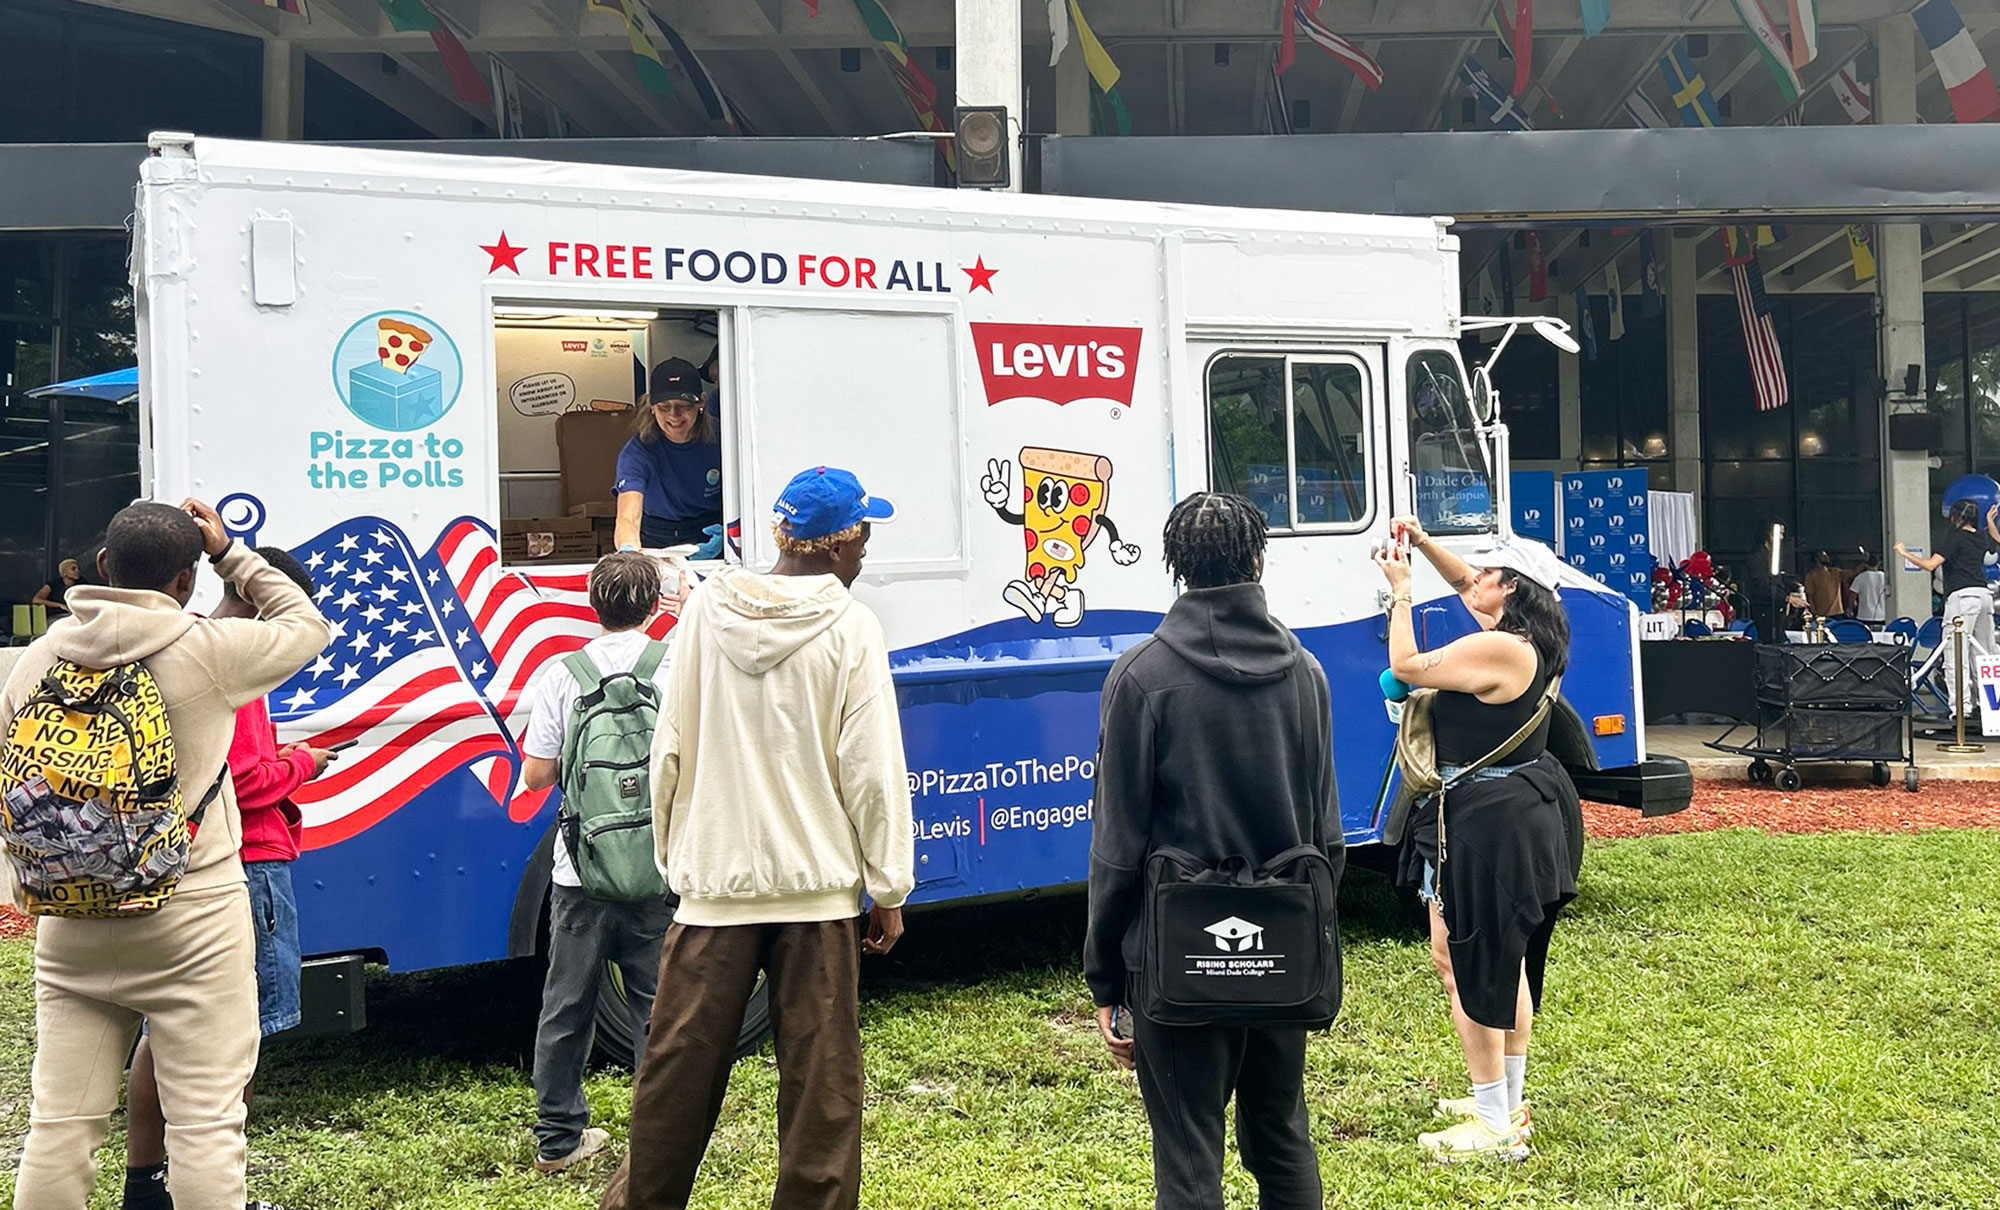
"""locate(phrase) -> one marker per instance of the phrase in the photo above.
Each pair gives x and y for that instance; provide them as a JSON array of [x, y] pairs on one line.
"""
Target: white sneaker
[[592, 1142], [1473, 1139], [1070, 611], [1459, 1108]]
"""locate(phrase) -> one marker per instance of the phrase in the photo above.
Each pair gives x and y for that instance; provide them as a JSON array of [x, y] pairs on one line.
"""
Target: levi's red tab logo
[[1061, 363]]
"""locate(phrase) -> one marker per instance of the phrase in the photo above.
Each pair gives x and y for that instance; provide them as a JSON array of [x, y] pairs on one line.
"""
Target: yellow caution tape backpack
[[91, 811]]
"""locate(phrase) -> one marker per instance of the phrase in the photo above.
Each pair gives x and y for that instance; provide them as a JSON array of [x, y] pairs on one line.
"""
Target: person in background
[[1769, 598], [1491, 855], [1871, 593], [1826, 586], [265, 776], [1962, 556], [51, 593], [780, 800], [669, 479], [586, 933], [188, 969], [1216, 738]]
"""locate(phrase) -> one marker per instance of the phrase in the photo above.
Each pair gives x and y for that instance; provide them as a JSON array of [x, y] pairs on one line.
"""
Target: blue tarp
[[116, 386]]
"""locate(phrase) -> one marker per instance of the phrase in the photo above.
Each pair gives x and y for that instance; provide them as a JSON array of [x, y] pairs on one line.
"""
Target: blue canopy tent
[[115, 386]]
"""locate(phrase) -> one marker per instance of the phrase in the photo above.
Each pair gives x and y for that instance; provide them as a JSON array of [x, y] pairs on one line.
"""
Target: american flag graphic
[[429, 667], [1760, 335]]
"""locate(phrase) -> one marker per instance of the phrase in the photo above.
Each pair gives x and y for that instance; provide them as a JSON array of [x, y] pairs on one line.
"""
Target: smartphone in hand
[[343, 745], [1121, 1022]]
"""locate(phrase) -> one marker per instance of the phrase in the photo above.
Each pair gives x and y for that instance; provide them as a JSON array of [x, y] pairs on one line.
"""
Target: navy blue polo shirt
[[681, 487]]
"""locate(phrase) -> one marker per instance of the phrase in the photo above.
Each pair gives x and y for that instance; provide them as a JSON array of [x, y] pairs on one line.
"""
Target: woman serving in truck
[[669, 481]]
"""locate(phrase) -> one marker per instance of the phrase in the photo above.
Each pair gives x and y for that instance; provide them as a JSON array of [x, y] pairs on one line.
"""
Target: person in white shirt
[[1871, 593], [585, 933]]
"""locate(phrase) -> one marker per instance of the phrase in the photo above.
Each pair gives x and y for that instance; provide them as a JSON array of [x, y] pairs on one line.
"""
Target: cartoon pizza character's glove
[[1122, 552], [997, 485]]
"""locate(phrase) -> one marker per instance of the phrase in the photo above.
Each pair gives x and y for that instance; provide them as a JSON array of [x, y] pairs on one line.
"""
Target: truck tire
[[617, 1031]]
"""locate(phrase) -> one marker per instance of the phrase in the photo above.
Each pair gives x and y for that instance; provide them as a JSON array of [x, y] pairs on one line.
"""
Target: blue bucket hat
[[825, 500]]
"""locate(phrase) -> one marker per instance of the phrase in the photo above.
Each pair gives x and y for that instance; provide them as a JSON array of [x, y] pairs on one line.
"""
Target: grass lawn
[[1734, 1019]]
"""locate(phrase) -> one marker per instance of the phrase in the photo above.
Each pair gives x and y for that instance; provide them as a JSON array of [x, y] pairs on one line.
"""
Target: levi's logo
[[575, 346], [1061, 363]]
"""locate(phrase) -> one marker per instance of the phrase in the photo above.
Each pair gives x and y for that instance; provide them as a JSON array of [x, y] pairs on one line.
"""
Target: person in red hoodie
[[265, 777]]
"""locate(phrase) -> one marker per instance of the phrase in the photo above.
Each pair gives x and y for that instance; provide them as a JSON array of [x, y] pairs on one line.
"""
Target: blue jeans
[[274, 916]]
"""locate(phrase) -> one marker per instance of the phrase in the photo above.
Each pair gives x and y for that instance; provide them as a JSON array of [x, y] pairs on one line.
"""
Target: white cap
[[1525, 556]]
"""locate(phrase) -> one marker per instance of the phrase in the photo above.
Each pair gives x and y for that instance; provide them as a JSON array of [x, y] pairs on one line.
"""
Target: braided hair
[[1212, 539]]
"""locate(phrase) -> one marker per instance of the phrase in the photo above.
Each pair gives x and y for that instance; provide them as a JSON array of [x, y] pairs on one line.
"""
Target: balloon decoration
[[1691, 585]]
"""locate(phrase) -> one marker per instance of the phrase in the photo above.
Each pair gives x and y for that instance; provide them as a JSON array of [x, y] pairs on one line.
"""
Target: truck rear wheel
[[618, 1028]]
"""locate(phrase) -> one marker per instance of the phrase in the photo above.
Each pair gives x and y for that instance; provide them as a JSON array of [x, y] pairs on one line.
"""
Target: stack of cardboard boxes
[[587, 445]]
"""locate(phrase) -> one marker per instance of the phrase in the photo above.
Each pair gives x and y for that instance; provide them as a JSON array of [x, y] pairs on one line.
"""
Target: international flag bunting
[[1343, 51], [414, 16], [918, 88], [1652, 291], [1855, 97], [812, 8], [1506, 280], [1640, 108], [1538, 270], [1058, 29], [705, 88], [1690, 91], [1804, 17], [1960, 66], [640, 30], [1770, 46], [1861, 250], [1760, 336], [1110, 115], [506, 101], [1586, 325], [1740, 244], [1523, 43], [1614, 290], [1485, 298], [1495, 105], [1596, 16], [1506, 30], [295, 7]]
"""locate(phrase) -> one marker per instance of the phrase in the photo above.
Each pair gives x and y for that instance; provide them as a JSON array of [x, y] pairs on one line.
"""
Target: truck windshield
[[1448, 462]]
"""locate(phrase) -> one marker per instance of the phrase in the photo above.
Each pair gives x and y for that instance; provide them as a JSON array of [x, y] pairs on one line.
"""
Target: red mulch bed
[[1835, 808], [13, 923]]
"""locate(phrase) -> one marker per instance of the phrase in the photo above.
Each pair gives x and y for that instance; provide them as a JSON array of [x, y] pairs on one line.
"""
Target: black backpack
[[1229, 945]]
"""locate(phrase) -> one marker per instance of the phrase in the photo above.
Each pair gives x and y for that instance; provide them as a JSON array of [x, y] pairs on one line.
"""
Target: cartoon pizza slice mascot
[[1063, 496]]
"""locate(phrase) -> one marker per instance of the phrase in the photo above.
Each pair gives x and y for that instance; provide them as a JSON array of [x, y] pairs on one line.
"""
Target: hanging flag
[[1652, 291], [1058, 29], [1538, 270], [1496, 106], [713, 103], [1855, 97], [1615, 290], [1347, 53], [1760, 336], [1523, 43], [1506, 279], [1804, 18], [506, 100], [1497, 18], [1596, 15], [1960, 66], [647, 62], [1640, 108], [1861, 250], [1689, 90], [1586, 325], [1486, 297], [414, 16], [812, 8], [918, 88], [295, 7], [1770, 46], [1103, 73]]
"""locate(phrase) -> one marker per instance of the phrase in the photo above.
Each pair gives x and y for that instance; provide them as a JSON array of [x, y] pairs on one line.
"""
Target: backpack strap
[[214, 792], [588, 679], [649, 659]]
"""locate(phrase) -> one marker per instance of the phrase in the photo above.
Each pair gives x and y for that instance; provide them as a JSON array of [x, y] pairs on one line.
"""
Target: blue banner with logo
[[1605, 531], [1534, 504]]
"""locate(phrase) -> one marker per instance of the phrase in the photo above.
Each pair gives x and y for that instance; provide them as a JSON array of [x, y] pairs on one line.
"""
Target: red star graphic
[[982, 277], [504, 255]]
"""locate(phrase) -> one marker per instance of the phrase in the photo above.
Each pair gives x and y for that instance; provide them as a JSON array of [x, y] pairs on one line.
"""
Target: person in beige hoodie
[[187, 969], [780, 799]]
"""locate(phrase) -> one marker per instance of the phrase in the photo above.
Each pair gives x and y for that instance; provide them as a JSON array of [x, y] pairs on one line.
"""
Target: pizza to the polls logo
[[397, 370], [1061, 363]]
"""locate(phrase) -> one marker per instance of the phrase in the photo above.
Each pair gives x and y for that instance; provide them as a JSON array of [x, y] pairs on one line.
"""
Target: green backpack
[[607, 809]]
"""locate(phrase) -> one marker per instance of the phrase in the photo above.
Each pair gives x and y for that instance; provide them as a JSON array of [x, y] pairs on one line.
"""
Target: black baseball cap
[[675, 378]]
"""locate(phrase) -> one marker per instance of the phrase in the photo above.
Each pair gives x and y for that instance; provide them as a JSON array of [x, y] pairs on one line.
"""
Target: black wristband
[[215, 560]]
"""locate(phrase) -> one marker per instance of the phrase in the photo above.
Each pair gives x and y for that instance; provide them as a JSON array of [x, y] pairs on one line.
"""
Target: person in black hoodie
[[1217, 738]]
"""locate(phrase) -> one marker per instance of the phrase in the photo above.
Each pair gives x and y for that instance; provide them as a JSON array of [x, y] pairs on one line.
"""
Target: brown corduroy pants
[[706, 977]]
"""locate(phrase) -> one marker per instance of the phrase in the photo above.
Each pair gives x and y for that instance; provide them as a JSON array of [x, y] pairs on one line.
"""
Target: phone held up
[[1121, 1022]]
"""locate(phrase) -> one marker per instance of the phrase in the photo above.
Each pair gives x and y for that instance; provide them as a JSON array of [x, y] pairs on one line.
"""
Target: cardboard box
[[547, 540], [595, 509], [587, 445]]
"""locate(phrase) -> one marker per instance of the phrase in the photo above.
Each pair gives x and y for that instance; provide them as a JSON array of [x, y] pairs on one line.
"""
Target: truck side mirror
[[1485, 404]]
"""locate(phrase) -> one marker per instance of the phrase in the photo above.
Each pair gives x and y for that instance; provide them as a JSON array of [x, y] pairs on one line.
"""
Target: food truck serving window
[[1448, 466], [1292, 434]]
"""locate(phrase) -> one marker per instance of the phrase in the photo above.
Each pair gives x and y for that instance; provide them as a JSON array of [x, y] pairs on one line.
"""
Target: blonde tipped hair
[[813, 546]]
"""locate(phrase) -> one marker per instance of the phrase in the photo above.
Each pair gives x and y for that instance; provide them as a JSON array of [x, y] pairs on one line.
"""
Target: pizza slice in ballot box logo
[[397, 370], [1061, 363], [1063, 498]]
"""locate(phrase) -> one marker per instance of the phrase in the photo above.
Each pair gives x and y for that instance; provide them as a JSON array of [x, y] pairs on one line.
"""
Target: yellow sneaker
[[1459, 1108], [1474, 1140]]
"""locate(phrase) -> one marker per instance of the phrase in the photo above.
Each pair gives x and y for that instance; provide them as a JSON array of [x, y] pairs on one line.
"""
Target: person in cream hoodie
[[780, 800], [189, 968]]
